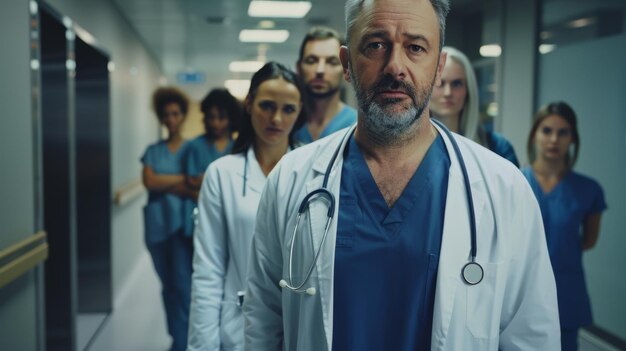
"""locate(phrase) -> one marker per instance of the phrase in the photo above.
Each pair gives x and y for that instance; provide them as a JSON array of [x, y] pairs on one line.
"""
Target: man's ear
[[344, 56], [443, 57]]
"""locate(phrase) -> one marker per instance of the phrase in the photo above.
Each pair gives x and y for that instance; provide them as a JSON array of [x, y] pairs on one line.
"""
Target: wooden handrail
[[24, 261], [128, 192]]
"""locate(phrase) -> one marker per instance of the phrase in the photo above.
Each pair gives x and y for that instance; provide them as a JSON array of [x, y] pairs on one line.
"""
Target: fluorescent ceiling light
[[238, 87], [491, 50], [279, 9], [263, 35], [245, 66], [581, 22]]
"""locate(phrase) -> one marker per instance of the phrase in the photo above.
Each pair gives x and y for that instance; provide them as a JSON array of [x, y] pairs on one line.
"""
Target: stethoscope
[[472, 272]]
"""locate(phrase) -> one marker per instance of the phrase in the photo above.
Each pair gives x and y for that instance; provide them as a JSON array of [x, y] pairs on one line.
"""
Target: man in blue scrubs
[[386, 271], [320, 69]]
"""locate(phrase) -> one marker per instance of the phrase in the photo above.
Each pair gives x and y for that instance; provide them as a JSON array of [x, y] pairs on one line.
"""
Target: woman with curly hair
[[164, 178]]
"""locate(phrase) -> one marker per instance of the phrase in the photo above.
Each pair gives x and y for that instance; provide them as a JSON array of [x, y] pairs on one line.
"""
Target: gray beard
[[386, 127]]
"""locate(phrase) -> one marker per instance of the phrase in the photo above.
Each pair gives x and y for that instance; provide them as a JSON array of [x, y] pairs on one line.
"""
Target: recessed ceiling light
[[263, 35], [491, 50], [546, 48], [279, 9], [267, 24], [245, 66]]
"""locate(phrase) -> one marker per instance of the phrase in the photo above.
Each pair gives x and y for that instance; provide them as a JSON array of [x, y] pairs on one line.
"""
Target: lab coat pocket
[[484, 303]]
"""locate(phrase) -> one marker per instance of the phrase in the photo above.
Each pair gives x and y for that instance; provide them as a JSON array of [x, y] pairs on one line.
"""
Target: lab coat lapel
[[317, 222], [255, 179], [455, 244]]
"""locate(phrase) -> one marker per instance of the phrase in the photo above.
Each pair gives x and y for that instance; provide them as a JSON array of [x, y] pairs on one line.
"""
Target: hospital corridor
[[185, 175]]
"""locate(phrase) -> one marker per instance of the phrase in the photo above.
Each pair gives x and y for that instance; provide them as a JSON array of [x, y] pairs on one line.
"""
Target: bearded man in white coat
[[385, 270]]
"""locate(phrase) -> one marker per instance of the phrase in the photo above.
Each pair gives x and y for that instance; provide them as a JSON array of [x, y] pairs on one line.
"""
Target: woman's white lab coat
[[222, 240], [513, 308]]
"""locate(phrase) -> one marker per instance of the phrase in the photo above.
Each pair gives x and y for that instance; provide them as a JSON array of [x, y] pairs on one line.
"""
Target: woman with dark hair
[[571, 206], [164, 178], [222, 112], [228, 203]]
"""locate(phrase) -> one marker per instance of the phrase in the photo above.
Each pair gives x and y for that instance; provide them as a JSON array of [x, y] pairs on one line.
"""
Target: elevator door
[[60, 293]]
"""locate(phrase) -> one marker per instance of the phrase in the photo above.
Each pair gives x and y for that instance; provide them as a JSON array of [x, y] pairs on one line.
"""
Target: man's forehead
[[322, 47], [412, 17]]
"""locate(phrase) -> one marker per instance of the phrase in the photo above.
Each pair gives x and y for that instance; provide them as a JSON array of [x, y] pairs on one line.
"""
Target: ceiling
[[203, 35]]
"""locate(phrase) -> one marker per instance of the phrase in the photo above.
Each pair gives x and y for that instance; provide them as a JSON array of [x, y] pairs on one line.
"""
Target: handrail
[[20, 261], [128, 192]]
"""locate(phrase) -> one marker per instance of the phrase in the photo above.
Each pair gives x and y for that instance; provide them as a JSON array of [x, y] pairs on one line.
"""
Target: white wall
[[516, 91], [591, 76], [133, 125], [18, 319]]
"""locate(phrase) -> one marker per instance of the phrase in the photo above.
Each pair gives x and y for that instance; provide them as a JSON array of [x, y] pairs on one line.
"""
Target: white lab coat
[[222, 241], [513, 308]]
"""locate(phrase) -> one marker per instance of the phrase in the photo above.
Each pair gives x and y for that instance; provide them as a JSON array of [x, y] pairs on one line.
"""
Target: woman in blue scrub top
[[164, 178], [222, 112], [571, 205], [455, 104], [228, 203]]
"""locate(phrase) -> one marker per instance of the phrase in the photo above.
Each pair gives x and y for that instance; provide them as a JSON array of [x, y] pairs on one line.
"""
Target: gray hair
[[470, 117], [441, 7]]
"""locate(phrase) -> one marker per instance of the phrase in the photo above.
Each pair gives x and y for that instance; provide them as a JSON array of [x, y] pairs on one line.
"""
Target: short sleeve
[[149, 157], [598, 204]]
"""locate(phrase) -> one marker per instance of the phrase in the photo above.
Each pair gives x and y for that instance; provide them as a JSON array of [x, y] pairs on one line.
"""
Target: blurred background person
[[228, 203], [455, 103], [571, 207], [319, 67], [221, 112], [164, 178]]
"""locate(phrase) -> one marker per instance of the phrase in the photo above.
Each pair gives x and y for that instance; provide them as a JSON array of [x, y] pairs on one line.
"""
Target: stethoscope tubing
[[468, 191], [324, 192]]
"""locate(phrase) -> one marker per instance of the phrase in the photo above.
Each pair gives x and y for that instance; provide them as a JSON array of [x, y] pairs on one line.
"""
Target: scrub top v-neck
[[386, 259]]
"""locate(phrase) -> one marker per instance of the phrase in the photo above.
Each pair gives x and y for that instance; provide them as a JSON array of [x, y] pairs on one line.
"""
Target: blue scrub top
[[199, 156], [498, 144], [163, 215], [345, 118], [202, 152], [386, 259], [564, 210]]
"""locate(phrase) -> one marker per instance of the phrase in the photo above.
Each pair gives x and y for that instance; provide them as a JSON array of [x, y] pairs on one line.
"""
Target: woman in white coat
[[228, 202]]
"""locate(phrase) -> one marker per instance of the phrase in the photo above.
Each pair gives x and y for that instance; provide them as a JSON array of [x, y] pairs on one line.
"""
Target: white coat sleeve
[[209, 266], [530, 312], [262, 305]]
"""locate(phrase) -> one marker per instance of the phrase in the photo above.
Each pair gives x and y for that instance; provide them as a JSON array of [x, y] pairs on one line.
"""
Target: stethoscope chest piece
[[472, 273]]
